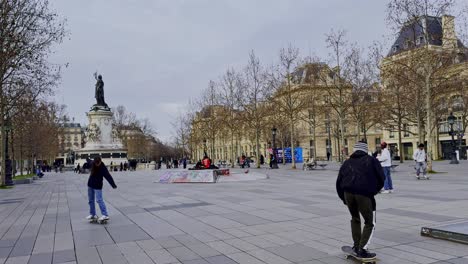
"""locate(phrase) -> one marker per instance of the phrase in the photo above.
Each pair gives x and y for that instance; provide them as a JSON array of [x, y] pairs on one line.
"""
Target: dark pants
[[361, 205]]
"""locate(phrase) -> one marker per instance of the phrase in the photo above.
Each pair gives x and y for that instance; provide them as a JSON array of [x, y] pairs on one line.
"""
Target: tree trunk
[[2, 141], [430, 139], [293, 160], [400, 141], [282, 147], [257, 147], [342, 139], [233, 155]]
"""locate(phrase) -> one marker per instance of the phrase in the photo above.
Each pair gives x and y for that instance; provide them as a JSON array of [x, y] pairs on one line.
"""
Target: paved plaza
[[292, 217]]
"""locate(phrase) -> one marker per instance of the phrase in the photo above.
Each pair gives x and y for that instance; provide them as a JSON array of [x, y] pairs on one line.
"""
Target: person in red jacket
[[206, 162]]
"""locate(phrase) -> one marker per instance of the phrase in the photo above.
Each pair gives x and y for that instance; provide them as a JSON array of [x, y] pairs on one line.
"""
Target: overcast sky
[[156, 54]]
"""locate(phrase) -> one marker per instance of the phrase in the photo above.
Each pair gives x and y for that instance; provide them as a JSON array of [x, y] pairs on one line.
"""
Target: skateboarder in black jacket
[[360, 178], [98, 173]]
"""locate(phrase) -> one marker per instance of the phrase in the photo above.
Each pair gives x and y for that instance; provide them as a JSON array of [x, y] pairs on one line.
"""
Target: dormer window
[[420, 40]]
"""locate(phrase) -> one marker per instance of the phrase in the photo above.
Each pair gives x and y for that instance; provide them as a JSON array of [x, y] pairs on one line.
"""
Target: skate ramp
[[456, 232]]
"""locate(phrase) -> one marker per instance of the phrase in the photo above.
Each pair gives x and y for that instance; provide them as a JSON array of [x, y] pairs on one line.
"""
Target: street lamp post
[[274, 164], [451, 121], [329, 148], [8, 168]]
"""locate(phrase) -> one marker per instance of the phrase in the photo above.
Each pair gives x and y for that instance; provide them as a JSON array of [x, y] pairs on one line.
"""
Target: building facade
[[71, 139]]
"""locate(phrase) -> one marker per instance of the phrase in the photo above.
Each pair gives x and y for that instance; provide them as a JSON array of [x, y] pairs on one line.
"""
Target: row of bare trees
[[28, 31], [355, 90], [139, 137]]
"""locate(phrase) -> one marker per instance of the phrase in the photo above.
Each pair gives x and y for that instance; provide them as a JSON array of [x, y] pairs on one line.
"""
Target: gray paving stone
[[297, 253], [149, 245], [196, 261], [242, 258], [161, 256], [88, 255], [64, 256], [418, 215], [5, 252], [41, 258], [18, 260], [220, 260], [111, 254], [87, 238], [127, 233], [7, 243], [203, 250], [183, 253], [23, 247]]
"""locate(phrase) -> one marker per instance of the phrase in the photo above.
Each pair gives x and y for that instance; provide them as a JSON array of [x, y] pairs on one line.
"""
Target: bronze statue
[[99, 93]]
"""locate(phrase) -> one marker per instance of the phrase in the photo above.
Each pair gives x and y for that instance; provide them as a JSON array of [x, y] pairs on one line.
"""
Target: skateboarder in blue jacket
[[360, 178], [98, 173]]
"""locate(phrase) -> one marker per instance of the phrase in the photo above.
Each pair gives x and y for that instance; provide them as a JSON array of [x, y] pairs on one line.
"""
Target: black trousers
[[361, 205]]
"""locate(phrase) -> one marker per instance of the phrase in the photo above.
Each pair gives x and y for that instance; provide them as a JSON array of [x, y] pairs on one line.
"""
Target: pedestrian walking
[[328, 155], [360, 178], [420, 158], [386, 162], [98, 173]]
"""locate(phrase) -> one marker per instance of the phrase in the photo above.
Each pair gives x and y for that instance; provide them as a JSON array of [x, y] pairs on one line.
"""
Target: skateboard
[[350, 254], [423, 178], [97, 221]]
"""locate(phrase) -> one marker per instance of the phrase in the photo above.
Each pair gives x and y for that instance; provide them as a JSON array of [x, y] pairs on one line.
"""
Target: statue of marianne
[[99, 93]]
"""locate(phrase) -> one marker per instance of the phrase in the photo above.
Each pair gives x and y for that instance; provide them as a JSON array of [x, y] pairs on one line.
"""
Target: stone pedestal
[[102, 139]]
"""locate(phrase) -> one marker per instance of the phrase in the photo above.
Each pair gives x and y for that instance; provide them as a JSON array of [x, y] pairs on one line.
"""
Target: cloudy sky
[[155, 55]]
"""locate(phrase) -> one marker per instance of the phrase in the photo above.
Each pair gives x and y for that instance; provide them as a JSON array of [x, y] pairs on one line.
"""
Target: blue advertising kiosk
[[286, 154]]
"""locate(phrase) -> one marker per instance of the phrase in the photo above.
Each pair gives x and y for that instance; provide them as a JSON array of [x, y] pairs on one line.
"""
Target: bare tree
[[338, 90], [28, 30], [424, 65], [289, 99], [255, 93], [360, 72], [230, 96]]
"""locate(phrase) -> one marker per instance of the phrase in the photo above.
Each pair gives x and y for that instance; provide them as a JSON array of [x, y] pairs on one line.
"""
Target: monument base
[[109, 157], [456, 232]]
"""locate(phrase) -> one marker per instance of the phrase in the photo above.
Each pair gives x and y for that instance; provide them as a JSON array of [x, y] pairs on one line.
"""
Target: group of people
[[174, 163], [360, 178]]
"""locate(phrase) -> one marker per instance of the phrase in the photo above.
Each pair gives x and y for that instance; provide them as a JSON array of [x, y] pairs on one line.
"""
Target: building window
[[377, 141], [345, 142], [405, 130], [392, 134]]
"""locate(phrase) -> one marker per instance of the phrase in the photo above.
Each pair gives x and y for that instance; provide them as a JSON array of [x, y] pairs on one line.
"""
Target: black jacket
[[360, 174], [95, 180]]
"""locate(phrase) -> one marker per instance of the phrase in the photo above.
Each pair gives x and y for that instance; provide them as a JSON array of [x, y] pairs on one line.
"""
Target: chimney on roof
[[449, 38]]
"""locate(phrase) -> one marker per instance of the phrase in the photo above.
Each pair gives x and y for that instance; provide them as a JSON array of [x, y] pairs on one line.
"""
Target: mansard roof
[[412, 35]]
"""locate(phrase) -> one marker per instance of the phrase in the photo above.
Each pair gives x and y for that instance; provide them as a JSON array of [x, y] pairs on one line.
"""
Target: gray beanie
[[362, 146]]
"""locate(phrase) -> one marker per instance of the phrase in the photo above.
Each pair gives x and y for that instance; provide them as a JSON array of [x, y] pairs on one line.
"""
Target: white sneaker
[[104, 217], [391, 191], [90, 217], [426, 178], [385, 191]]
